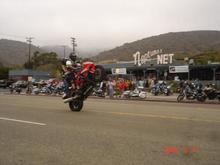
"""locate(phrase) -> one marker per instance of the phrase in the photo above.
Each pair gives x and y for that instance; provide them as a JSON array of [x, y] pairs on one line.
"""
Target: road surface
[[39, 130]]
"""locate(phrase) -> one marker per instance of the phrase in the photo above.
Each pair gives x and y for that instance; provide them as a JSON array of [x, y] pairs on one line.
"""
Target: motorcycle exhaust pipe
[[68, 100]]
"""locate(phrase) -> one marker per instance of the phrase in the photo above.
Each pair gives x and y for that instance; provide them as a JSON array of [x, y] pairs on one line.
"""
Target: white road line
[[21, 121]]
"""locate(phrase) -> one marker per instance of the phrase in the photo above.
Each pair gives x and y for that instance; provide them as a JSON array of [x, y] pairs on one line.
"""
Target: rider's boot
[[78, 94]]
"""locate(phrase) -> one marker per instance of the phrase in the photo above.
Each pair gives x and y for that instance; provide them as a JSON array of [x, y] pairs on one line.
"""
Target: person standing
[[111, 88]]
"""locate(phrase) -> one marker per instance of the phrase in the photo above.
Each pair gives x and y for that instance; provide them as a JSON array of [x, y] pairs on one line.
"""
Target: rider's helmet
[[72, 56]]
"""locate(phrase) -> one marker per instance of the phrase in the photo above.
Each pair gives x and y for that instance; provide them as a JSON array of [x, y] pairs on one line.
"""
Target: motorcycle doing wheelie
[[84, 81]]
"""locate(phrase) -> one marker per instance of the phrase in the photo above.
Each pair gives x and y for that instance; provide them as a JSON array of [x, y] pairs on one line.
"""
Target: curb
[[133, 99]]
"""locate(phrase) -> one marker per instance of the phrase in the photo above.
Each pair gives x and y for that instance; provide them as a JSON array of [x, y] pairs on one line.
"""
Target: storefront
[[201, 72], [206, 73], [23, 74], [159, 66]]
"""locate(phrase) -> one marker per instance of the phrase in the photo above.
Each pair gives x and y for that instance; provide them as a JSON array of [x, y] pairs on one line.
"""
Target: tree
[[206, 56], [4, 72], [45, 62]]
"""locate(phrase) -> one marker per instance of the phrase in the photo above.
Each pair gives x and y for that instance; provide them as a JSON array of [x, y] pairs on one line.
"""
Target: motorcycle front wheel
[[76, 105]]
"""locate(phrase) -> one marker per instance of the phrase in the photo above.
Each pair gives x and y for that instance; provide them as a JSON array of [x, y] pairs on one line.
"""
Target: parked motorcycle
[[155, 89], [58, 89], [137, 93], [98, 92], [167, 90], [211, 93], [191, 91], [161, 88], [46, 90], [15, 88]]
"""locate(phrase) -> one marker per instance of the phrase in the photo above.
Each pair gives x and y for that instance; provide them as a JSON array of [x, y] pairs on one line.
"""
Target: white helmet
[[68, 63]]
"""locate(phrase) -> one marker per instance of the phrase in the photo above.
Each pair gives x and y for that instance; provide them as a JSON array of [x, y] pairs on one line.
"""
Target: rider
[[67, 66]]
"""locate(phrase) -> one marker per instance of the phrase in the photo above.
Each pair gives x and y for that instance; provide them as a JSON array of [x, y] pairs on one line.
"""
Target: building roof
[[27, 72], [154, 66], [131, 65]]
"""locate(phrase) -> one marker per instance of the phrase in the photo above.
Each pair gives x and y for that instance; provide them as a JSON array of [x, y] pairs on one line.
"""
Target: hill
[[181, 43], [14, 52]]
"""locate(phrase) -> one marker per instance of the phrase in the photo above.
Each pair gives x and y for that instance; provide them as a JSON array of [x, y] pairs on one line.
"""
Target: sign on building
[[119, 71], [179, 69], [153, 55]]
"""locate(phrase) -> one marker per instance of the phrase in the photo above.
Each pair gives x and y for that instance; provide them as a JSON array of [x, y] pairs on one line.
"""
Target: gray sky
[[103, 24]]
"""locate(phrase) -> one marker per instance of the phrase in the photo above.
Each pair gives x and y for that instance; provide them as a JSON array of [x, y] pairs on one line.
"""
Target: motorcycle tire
[[180, 98], [100, 74], [156, 93], [76, 105], [166, 94], [201, 98]]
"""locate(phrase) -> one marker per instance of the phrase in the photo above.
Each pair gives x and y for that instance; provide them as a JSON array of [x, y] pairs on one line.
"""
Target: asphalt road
[[38, 130]]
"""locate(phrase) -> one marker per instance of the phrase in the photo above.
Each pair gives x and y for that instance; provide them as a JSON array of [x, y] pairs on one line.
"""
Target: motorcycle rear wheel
[[76, 105], [180, 98], [99, 73]]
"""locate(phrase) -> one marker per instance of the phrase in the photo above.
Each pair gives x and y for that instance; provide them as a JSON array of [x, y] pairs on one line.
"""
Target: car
[[21, 83], [10, 82], [3, 83]]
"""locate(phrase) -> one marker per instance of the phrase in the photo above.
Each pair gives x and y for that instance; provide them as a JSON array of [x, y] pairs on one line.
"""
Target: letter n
[[159, 59]]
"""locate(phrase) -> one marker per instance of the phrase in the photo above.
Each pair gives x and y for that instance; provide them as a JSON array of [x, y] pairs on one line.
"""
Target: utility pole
[[64, 51], [29, 40], [74, 45]]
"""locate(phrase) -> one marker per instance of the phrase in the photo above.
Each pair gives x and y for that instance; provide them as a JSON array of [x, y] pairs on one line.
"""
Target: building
[[178, 69], [23, 74]]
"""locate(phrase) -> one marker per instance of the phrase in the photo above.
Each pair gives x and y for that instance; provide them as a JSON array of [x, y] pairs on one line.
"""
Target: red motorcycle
[[84, 80]]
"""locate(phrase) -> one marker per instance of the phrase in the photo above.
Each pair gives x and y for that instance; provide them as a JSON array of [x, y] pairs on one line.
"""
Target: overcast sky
[[103, 24]]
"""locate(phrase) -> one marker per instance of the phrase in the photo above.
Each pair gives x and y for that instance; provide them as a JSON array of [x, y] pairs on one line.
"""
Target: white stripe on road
[[21, 121]]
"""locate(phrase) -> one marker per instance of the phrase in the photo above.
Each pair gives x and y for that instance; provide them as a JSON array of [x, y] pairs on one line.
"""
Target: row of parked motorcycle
[[47, 88], [159, 88], [187, 90], [196, 91]]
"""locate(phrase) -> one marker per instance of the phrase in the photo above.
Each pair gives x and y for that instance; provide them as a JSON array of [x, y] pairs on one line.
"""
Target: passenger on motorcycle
[[68, 65], [86, 77]]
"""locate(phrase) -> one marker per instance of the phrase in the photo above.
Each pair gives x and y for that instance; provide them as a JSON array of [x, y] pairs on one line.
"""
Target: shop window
[[217, 74], [201, 74]]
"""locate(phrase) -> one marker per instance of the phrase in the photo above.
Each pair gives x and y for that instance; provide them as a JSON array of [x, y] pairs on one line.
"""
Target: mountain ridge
[[15, 52], [182, 43]]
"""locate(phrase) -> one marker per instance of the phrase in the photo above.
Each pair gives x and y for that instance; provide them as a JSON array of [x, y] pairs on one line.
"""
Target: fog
[[103, 24]]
